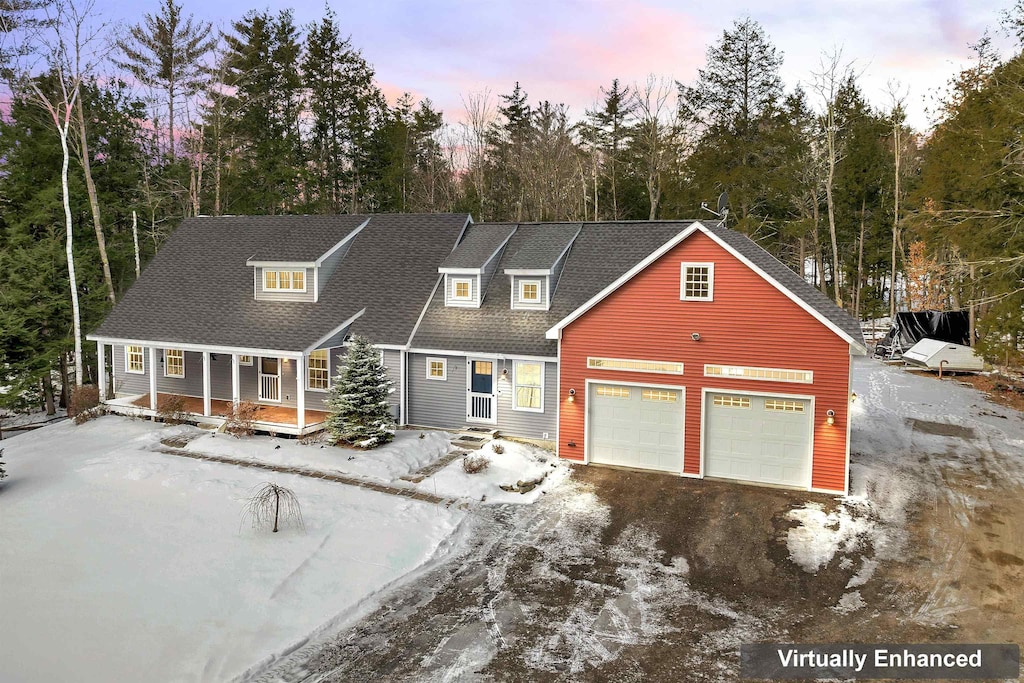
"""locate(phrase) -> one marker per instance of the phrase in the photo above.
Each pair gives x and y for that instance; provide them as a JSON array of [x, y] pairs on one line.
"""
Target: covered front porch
[[210, 380], [269, 418]]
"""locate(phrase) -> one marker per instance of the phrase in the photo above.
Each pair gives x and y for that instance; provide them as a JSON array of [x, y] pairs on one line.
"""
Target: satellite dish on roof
[[723, 203]]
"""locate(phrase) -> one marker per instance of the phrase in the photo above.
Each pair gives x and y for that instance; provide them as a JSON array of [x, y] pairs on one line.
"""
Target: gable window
[[133, 360], [174, 363], [286, 280], [697, 281], [318, 374], [437, 368], [245, 360], [462, 289], [529, 291], [529, 386]]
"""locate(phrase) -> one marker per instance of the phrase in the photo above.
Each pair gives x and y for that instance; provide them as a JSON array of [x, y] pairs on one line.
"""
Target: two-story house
[[662, 345]]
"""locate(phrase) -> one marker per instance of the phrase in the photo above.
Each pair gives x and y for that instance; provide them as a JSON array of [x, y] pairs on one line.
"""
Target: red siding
[[749, 322]]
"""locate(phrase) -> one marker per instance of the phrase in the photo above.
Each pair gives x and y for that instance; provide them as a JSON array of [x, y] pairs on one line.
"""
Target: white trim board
[[495, 356], [212, 348]]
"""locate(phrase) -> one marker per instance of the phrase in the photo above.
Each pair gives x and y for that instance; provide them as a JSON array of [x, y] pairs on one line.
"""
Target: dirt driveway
[[629, 576]]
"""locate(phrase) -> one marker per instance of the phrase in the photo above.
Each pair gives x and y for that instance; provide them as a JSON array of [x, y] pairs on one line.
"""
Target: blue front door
[[483, 376]]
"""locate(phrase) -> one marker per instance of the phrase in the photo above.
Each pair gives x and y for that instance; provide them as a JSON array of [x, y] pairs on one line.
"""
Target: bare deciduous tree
[[657, 135], [827, 83], [272, 506]]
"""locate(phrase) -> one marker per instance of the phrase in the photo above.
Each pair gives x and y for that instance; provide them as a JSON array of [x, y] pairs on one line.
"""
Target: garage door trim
[[764, 394], [586, 413]]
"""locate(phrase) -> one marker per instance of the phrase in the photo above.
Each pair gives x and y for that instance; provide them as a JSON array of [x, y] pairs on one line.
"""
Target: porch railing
[[481, 407], [270, 388]]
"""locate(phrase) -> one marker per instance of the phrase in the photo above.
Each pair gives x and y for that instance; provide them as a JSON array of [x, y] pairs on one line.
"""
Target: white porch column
[[300, 393], [402, 396], [101, 361], [206, 383], [152, 377], [236, 383]]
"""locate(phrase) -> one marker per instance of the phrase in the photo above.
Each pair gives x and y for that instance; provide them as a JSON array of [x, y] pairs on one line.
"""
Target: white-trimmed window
[[528, 377], [760, 374], [318, 374], [174, 363], [612, 392], [697, 281], [781, 406], [662, 395], [284, 280], [630, 365], [134, 360], [529, 291], [732, 401], [437, 368], [462, 289], [245, 360]]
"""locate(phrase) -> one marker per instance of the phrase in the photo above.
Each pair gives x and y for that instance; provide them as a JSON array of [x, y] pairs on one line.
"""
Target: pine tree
[[358, 407], [166, 52]]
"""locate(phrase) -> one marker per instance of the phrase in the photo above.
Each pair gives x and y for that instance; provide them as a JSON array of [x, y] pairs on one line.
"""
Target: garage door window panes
[[659, 395], [613, 392], [732, 401], [529, 389], [784, 406]]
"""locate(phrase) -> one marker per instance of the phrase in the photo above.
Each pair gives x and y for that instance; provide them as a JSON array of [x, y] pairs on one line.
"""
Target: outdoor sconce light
[[830, 418], [504, 374], [571, 444], [213, 356], [695, 336], [572, 396]]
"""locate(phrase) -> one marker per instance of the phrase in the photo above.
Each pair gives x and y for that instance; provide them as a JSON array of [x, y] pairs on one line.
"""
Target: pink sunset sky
[[565, 50]]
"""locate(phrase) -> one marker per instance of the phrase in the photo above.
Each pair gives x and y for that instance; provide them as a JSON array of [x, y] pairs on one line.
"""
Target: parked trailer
[[935, 354]]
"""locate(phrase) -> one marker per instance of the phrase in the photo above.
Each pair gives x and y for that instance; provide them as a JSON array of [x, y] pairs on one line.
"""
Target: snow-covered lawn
[[406, 454], [120, 564], [518, 462], [410, 451]]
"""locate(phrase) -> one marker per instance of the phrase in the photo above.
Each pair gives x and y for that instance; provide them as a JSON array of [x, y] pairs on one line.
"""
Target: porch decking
[[268, 418]]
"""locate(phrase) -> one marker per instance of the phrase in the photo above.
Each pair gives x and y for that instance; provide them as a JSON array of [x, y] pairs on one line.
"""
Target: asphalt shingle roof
[[600, 254], [303, 241], [785, 276], [479, 245], [198, 290], [543, 250]]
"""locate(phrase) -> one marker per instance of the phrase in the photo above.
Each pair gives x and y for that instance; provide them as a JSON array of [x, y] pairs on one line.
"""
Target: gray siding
[[263, 295], [330, 264], [518, 303], [393, 365], [526, 424], [128, 384], [450, 289], [436, 403]]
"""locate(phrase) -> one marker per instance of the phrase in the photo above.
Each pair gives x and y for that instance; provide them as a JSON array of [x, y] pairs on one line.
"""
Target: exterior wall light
[[504, 374], [572, 396], [695, 336], [830, 418]]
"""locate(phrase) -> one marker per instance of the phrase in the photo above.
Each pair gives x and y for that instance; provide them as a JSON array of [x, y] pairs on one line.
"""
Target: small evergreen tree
[[358, 407]]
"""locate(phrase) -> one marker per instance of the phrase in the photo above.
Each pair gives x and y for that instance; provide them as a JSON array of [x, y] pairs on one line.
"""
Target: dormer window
[[462, 289], [697, 281], [529, 291], [284, 280]]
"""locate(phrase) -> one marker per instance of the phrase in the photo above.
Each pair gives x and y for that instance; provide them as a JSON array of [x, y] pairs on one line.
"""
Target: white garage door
[[757, 438], [636, 427]]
